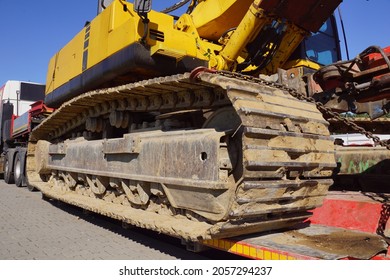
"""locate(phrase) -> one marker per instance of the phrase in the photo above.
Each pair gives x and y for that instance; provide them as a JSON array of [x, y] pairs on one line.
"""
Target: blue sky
[[32, 31]]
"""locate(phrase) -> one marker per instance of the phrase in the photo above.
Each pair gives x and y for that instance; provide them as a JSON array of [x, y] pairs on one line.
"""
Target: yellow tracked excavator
[[162, 121]]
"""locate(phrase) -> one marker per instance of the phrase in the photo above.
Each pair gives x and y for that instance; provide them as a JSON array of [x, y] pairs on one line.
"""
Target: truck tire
[[8, 174], [19, 170]]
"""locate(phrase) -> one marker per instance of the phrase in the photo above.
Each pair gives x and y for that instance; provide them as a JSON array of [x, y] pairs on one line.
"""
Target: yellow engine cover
[[109, 48]]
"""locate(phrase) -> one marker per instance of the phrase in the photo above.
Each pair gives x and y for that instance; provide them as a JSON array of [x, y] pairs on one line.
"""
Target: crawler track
[[210, 158]]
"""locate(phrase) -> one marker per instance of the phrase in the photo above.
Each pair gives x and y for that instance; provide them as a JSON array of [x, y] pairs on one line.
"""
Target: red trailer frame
[[362, 218]]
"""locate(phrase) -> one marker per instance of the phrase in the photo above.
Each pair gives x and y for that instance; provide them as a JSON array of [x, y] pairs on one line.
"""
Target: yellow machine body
[[111, 31], [118, 47], [200, 155]]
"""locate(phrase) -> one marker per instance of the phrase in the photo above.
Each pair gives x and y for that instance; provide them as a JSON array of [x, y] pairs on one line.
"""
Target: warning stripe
[[252, 251]]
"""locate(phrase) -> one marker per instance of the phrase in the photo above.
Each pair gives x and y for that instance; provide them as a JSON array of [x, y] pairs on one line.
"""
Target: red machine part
[[343, 215], [375, 59], [354, 211]]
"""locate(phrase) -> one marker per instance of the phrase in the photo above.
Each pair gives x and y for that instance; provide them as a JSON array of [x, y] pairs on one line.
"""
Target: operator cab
[[321, 48]]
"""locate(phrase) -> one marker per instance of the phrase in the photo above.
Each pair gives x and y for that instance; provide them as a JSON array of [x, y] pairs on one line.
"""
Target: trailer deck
[[349, 225]]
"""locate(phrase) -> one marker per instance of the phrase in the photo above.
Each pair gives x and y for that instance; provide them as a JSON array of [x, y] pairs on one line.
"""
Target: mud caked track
[[197, 159]]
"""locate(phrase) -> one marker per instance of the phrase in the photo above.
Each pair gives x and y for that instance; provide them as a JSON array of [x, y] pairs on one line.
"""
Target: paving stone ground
[[33, 228]]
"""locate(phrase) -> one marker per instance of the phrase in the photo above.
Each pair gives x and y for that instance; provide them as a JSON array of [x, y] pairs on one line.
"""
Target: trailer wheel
[[8, 174], [19, 170]]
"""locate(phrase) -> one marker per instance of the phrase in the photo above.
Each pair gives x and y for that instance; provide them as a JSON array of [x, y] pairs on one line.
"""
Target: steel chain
[[319, 105]]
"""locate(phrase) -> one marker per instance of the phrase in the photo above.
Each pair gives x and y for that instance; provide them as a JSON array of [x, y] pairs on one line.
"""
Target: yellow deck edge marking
[[228, 245], [239, 248], [267, 255], [283, 257], [252, 252], [247, 250], [260, 254]]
